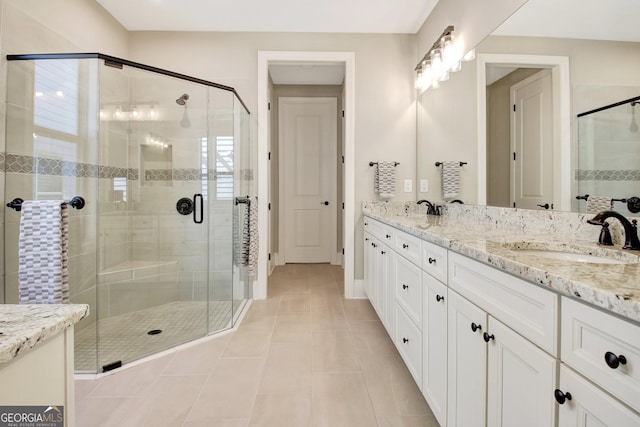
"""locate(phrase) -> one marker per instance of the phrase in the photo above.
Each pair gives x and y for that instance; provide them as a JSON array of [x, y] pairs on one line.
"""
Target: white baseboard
[[358, 290]]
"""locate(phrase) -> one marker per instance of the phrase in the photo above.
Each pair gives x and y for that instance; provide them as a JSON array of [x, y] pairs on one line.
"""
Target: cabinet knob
[[475, 327], [614, 361], [388, 236], [405, 246], [366, 239], [488, 337], [405, 340], [405, 286], [440, 298], [432, 260], [382, 252], [561, 397], [366, 223]]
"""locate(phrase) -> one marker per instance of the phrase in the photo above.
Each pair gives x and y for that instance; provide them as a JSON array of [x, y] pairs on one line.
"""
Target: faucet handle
[[605, 235]]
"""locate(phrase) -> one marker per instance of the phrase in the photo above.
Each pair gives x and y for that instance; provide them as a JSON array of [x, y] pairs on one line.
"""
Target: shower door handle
[[195, 204]]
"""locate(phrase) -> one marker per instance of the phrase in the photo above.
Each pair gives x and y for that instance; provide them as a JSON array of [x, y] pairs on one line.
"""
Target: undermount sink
[[572, 253]]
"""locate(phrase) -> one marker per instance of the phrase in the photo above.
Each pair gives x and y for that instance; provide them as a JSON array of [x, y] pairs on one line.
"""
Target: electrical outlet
[[407, 186], [424, 185]]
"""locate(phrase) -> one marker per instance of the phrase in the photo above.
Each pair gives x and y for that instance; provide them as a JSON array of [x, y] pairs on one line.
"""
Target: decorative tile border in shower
[[607, 175], [17, 163]]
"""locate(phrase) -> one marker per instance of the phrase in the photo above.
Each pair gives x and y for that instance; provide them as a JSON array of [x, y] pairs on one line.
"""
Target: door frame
[[283, 200], [265, 58], [559, 66]]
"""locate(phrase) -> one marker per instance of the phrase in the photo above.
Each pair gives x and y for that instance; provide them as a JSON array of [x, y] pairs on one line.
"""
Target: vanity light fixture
[[444, 57]]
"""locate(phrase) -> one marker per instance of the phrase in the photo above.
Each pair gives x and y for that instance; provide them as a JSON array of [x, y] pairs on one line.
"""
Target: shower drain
[[154, 332]]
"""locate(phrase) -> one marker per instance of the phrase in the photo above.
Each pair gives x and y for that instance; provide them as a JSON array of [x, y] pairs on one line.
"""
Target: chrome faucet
[[631, 241], [431, 208]]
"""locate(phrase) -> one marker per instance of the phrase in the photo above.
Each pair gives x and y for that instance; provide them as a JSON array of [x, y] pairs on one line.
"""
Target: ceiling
[[324, 16]]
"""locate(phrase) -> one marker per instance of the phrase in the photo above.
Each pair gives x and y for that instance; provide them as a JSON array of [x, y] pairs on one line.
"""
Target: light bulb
[[134, 113], [469, 56]]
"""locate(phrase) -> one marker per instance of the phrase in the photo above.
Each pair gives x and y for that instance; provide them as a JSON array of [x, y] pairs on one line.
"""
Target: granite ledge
[[24, 326]]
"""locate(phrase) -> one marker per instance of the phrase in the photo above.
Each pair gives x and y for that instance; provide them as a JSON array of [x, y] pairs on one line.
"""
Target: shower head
[[183, 99]]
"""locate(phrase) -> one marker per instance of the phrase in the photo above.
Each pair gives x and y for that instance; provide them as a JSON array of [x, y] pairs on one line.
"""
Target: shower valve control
[[184, 206]]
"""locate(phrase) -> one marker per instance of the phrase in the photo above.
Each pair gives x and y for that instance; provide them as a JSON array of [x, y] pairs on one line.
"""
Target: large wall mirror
[[572, 71]]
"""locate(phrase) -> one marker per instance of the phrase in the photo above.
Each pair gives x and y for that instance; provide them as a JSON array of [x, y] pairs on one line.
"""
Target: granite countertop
[[24, 326], [613, 287]]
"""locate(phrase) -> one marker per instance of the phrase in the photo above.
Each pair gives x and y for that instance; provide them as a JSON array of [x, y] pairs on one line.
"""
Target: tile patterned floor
[[303, 357], [125, 337]]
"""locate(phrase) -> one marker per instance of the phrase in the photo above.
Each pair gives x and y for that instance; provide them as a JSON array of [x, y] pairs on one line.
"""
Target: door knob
[[326, 203]]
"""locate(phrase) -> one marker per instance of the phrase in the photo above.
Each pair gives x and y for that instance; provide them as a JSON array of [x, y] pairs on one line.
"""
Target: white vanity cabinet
[[605, 350], [408, 290], [487, 348], [434, 331], [499, 375], [378, 271]]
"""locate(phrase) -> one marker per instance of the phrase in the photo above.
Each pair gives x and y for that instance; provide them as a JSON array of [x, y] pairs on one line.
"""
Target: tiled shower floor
[[125, 337]]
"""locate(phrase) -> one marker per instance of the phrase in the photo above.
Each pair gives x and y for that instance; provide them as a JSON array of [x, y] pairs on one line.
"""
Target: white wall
[[385, 95]]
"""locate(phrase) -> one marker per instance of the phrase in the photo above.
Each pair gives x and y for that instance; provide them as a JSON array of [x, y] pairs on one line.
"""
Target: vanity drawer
[[409, 344], [408, 288], [408, 246], [380, 230], [525, 307], [588, 334], [434, 261]]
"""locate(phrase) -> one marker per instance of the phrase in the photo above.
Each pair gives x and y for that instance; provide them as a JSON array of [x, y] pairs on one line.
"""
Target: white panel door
[[532, 142], [308, 139], [467, 364], [521, 380]]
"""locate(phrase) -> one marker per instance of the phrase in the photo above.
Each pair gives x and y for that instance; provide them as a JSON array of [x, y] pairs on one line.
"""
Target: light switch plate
[[424, 185], [408, 186]]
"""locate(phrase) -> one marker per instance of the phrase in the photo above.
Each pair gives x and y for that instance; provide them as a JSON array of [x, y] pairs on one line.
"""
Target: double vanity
[[508, 317]]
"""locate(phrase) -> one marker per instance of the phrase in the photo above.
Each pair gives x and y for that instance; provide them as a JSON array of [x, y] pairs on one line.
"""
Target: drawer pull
[[405, 246], [488, 337], [440, 298], [405, 286], [432, 260], [405, 340], [382, 252], [388, 236], [614, 361], [561, 397], [366, 239], [475, 327]]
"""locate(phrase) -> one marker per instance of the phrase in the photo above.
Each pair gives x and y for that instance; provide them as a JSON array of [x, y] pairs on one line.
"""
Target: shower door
[[161, 216]]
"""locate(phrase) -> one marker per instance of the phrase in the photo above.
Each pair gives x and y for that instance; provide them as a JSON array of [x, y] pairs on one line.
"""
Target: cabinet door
[[467, 367], [589, 405], [434, 346], [368, 274], [388, 294], [521, 380]]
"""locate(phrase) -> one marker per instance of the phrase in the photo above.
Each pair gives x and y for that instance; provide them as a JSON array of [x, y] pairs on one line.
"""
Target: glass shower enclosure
[[160, 159], [609, 155]]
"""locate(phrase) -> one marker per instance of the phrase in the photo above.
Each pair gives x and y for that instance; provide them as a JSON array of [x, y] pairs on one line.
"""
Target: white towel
[[43, 276], [384, 181], [596, 204], [249, 255], [450, 179]]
